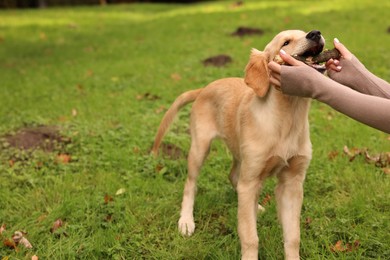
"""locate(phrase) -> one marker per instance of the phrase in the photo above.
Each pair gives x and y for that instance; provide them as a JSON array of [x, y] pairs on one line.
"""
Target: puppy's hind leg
[[200, 146]]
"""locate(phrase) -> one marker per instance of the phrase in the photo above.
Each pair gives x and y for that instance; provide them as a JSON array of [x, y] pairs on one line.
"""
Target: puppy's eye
[[286, 43]]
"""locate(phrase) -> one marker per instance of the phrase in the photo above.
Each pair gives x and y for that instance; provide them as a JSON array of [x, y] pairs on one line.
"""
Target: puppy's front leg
[[289, 197], [247, 191]]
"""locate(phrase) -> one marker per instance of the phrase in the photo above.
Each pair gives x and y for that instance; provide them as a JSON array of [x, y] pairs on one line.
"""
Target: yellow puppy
[[266, 132]]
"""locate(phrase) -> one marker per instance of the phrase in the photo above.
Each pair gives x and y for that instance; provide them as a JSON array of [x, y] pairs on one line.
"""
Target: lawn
[[100, 78]]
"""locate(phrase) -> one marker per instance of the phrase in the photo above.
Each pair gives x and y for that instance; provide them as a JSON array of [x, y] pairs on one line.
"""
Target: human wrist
[[299, 81]]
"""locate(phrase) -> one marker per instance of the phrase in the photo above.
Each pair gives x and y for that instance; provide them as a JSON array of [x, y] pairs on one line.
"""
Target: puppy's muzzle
[[318, 41], [314, 35]]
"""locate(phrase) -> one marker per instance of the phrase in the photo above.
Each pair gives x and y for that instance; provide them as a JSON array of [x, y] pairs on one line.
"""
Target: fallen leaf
[[136, 149], [159, 167], [380, 160], [63, 118], [11, 163], [108, 198], [266, 200], [64, 158], [34, 257], [108, 218], [120, 191], [74, 112], [9, 243], [2, 229], [56, 225], [88, 74], [308, 222], [340, 247], [332, 155], [175, 76], [354, 246], [160, 109], [41, 218], [19, 238]]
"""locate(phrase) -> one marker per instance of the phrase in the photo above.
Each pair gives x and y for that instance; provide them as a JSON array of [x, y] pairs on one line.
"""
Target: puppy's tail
[[169, 116]]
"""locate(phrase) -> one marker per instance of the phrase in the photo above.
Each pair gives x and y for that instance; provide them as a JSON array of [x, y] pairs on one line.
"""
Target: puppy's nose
[[314, 35]]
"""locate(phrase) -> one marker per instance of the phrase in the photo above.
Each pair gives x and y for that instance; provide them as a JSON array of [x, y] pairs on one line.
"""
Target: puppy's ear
[[256, 72]]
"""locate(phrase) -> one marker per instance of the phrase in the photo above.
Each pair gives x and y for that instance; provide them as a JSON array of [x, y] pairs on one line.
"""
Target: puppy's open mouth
[[314, 57], [313, 51]]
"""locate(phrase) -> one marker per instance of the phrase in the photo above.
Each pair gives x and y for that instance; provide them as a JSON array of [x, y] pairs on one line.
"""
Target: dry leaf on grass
[[19, 239], [64, 158], [160, 109], [332, 155], [120, 191], [308, 221], [9, 243], [381, 160], [34, 257], [176, 76], [266, 200], [340, 247], [108, 198], [2, 229], [56, 228], [56, 225]]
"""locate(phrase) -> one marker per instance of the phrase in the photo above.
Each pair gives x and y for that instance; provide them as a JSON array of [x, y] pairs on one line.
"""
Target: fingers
[[274, 79], [343, 50], [333, 65], [289, 59], [274, 76], [274, 67]]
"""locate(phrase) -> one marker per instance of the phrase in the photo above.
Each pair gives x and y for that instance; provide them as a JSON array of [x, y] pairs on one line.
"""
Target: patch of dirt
[[46, 138], [244, 31], [148, 96], [217, 61], [172, 151], [388, 30]]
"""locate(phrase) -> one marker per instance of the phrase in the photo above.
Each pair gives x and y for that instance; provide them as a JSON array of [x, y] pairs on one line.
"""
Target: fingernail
[[282, 52], [336, 40], [336, 62], [338, 68]]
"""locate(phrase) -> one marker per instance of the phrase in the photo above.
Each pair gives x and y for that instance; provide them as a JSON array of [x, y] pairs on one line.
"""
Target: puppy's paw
[[186, 226]]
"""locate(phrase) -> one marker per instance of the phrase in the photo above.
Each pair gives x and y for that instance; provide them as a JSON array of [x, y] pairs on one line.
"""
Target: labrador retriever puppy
[[267, 133]]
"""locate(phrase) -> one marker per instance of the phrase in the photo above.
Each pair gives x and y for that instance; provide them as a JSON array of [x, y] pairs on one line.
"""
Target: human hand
[[276, 68], [333, 64]]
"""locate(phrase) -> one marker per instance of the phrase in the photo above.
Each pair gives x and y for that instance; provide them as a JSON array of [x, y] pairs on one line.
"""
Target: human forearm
[[355, 75], [306, 82]]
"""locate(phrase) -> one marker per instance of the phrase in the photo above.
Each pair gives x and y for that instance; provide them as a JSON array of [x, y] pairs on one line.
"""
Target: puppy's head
[[294, 42]]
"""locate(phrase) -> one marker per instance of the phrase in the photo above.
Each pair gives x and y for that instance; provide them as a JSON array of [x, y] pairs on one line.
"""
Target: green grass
[[96, 61]]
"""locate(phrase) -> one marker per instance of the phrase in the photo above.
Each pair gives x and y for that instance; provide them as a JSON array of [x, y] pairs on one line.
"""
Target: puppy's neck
[[290, 109]]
